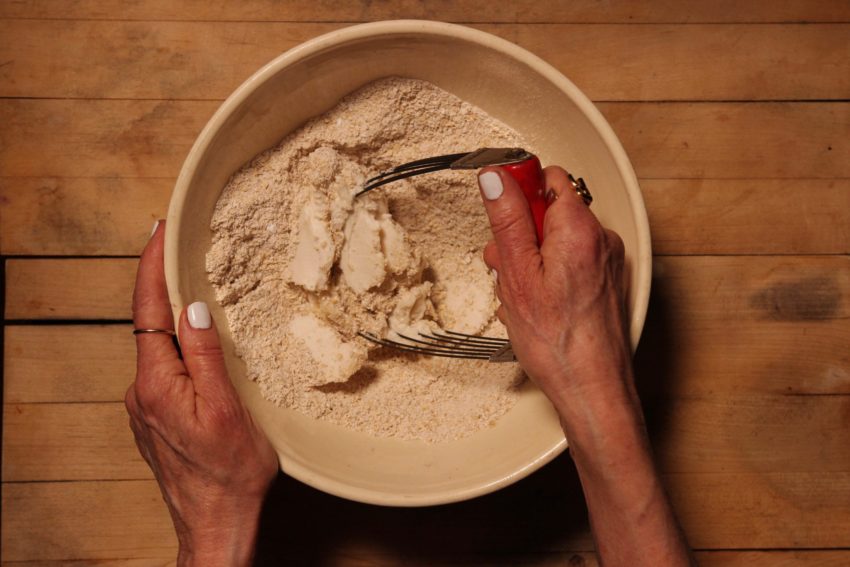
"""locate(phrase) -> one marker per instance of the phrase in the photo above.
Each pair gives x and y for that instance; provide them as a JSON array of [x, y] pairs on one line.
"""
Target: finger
[[567, 210], [140, 439], [502, 315], [491, 256], [157, 355], [138, 433], [130, 401], [512, 224], [203, 355]]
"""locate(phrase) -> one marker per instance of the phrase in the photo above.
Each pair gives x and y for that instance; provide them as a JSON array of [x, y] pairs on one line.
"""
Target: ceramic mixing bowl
[[504, 80]]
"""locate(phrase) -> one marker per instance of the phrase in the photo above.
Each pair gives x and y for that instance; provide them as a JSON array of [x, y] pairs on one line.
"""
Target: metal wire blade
[[450, 344], [398, 176], [410, 169], [446, 160], [447, 353]]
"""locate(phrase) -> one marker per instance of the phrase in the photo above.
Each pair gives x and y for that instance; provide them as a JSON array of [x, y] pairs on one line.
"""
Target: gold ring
[[581, 189], [163, 331]]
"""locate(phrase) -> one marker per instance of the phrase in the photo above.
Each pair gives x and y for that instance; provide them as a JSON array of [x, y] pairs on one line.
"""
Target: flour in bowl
[[300, 266]]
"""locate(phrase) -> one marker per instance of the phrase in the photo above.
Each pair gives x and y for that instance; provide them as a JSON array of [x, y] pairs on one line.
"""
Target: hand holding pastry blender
[[525, 168]]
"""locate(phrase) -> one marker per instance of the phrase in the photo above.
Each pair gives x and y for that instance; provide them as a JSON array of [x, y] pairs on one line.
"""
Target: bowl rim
[[371, 30]]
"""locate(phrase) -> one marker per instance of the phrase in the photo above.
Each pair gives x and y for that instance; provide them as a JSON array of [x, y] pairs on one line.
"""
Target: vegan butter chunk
[[314, 254], [301, 267], [338, 359]]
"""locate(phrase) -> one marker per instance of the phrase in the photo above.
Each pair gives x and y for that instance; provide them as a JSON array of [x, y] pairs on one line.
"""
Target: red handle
[[529, 175]]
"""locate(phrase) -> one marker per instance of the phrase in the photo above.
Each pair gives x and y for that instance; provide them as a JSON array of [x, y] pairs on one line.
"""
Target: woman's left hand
[[213, 464]]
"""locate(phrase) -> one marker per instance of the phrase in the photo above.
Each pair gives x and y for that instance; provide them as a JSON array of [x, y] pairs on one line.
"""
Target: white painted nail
[[199, 315], [155, 226], [491, 185], [495, 275]]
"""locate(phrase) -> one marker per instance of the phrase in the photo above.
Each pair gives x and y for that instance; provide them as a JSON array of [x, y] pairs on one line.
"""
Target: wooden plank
[[697, 62], [85, 520], [730, 434], [128, 519], [80, 216], [63, 363], [780, 558], [736, 140], [763, 510], [133, 138], [737, 434], [687, 11], [98, 138], [741, 216], [208, 60], [69, 442], [70, 288], [90, 216]]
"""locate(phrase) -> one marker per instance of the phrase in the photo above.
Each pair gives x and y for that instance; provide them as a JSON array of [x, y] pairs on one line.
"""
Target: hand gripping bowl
[[505, 81]]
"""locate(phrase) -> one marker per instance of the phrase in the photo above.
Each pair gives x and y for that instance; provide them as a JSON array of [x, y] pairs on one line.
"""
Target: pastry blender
[[525, 168]]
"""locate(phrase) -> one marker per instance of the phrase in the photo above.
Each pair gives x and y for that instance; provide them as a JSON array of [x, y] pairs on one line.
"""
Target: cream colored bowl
[[505, 81]]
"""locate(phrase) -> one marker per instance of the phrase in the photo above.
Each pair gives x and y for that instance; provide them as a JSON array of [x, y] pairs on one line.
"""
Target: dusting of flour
[[300, 266]]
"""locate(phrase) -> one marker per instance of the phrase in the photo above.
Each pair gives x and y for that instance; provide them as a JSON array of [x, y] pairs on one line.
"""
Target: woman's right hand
[[562, 302], [563, 306]]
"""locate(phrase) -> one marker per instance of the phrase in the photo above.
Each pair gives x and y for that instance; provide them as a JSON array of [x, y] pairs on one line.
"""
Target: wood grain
[[91, 216], [85, 520], [80, 216], [673, 11], [70, 288], [763, 510], [208, 60], [740, 216], [68, 363], [134, 138], [85, 441], [98, 138], [723, 141], [788, 558], [69, 442]]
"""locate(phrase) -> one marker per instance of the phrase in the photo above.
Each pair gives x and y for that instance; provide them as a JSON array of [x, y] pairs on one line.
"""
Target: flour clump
[[301, 266]]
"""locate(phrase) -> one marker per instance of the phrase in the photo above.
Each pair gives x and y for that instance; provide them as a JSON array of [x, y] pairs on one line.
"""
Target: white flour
[[300, 267]]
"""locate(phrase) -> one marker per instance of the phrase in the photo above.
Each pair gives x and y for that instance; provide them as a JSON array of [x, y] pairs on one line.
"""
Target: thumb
[[202, 353], [511, 222]]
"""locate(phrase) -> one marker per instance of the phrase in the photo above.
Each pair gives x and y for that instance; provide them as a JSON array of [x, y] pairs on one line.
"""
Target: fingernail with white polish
[[155, 226], [199, 315], [495, 275], [491, 185]]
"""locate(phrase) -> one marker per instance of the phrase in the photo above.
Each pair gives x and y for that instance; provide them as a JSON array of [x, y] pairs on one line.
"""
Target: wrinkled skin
[[213, 464]]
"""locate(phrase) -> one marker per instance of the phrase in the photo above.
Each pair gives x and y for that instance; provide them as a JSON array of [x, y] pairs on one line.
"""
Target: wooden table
[[737, 120]]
